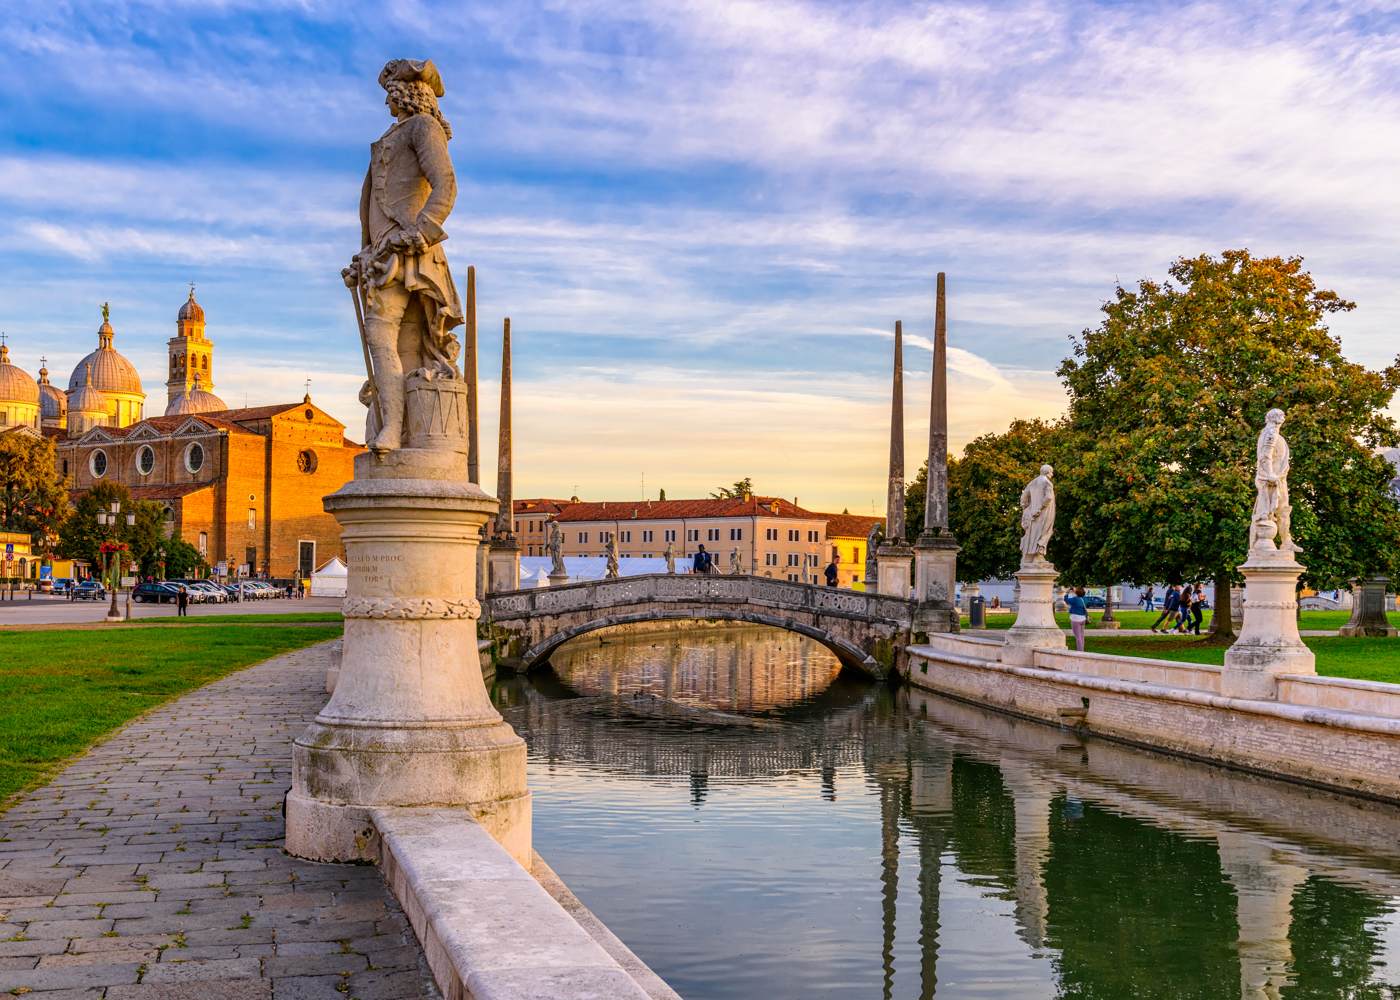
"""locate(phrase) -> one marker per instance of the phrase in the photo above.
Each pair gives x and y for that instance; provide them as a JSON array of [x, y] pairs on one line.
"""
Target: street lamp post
[[110, 518]]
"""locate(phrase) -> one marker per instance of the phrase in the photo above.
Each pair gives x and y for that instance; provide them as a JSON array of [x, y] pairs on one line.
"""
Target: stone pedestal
[[558, 579], [935, 584], [1268, 643], [1035, 626], [969, 591], [894, 564], [503, 564], [410, 723], [1368, 609]]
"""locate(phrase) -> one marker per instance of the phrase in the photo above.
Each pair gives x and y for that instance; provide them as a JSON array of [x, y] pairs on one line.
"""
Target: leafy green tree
[[1167, 396], [81, 537], [182, 560], [32, 494], [740, 489]]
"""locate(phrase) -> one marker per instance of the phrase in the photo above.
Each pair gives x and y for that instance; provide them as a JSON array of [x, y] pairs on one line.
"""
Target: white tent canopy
[[329, 580]]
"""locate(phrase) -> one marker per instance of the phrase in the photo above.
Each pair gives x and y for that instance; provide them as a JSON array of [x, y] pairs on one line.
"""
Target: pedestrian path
[[152, 868]]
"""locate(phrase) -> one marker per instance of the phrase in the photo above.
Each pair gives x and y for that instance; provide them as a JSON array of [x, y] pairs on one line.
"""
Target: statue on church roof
[[403, 288]]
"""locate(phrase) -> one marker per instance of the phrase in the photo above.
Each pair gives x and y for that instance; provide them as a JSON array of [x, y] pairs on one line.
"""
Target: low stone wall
[[1308, 736], [488, 927]]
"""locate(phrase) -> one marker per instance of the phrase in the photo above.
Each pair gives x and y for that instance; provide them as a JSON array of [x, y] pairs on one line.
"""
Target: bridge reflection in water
[[754, 825]]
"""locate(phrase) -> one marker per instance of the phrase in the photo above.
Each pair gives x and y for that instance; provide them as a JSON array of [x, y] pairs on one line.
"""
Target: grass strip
[[1356, 659], [63, 690]]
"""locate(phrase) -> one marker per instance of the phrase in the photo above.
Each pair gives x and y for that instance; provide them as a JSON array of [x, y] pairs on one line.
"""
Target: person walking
[[1078, 615], [1169, 602], [182, 602], [1146, 599], [1183, 611], [1198, 608], [832, 572], [703, 561]]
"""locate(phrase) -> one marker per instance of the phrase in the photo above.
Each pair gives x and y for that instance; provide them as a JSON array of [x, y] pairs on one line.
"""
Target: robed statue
[[1037, 517], [402, 285], [613, 564], [872, 542], [670, 555], [736, 567], [1272, 514], [556, 551]]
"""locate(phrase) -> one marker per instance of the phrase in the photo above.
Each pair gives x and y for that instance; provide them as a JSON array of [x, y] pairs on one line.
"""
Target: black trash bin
[[977, 612]]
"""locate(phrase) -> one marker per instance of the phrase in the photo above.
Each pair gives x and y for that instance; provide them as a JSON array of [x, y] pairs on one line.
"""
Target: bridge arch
[[846, 651]]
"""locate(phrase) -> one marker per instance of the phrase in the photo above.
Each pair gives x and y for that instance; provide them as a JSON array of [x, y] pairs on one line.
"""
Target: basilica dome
[[196, 400], [15, 384], [53, 404], [113, 376], [87, 398]]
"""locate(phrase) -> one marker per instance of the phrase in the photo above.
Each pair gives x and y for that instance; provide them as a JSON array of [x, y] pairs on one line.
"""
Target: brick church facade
[[244, 486]]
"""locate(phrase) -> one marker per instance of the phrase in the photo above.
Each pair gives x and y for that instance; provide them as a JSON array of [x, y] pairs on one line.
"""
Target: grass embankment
[[1311, 620], [62, 690], [1358, 659]]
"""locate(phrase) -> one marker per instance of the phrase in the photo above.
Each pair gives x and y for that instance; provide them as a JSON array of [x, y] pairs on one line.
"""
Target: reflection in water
[[753, 833]]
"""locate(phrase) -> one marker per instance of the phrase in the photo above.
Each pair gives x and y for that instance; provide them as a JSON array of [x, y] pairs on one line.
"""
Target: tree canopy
[[32, 494], [740, 489], [1167, 397], [80, 536]]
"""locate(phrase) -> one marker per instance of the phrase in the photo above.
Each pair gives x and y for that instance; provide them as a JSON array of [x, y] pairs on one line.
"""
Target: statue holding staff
[[404, 295], [1272, 512], [1037, 517]]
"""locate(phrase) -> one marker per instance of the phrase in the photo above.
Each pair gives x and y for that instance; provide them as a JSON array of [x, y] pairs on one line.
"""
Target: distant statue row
[[557, 569], [1270, 530]]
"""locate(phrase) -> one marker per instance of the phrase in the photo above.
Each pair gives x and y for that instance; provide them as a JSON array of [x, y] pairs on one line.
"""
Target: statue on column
[[613, 565], [670, 555], [1037, 517], [1272, 513], [556, 551], [403, 290]]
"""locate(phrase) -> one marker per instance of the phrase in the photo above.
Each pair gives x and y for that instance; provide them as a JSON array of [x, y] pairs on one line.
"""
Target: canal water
[[756, 822]]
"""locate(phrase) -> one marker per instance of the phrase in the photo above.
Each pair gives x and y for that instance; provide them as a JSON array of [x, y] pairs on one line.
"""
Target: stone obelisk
[[505, 549], [895, 558], [410, 724], [936, 550]]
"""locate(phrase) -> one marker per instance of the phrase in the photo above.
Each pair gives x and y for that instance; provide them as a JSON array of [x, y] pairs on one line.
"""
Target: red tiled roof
[[622, 510], [540, 505], [255, 412], [850, 525]]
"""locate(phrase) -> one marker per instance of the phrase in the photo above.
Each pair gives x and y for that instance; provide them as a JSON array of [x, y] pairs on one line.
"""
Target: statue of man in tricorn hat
[[400, 275]]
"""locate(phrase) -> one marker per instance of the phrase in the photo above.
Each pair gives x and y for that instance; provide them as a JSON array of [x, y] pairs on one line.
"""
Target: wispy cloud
[[674, 200]]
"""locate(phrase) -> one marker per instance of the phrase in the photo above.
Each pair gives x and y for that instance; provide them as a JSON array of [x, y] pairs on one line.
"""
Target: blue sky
[[702, 218]]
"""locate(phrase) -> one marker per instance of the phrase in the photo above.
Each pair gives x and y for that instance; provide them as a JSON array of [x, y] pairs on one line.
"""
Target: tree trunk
[[1108, 604], [1222, 623]]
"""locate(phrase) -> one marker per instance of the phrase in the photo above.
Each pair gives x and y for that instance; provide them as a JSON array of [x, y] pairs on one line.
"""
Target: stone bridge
[[865, 631]]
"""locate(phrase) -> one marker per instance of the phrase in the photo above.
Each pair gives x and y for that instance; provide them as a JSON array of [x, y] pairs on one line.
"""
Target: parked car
[[62, 585], [154, 593], [202, 591], [89, 590], [44, 586], [1093, 601], [262, 590]]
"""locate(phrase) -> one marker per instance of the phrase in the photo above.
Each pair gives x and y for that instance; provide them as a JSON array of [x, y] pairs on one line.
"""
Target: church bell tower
[[191, 353]]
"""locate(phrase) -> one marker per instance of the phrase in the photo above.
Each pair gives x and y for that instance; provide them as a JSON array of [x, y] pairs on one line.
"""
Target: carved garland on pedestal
[[410, 608]]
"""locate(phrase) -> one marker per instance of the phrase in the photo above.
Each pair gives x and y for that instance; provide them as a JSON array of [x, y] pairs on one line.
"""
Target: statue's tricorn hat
[[412, 69]]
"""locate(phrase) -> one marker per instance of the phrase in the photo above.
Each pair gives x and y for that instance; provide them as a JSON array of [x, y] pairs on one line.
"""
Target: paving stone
[[151, 849]]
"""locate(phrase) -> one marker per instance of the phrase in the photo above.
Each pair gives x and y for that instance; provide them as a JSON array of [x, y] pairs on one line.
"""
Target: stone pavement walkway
[[152, 868]]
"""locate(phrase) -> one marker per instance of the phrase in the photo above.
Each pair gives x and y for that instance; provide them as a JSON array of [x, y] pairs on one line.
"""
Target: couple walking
[[1183, 609]]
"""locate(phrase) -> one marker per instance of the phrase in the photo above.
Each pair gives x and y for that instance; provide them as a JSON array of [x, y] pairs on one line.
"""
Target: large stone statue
[[1037, 517], [556, 551], [735, 566], [402, 286], [613, 565], [1272, 513], [670, 555]]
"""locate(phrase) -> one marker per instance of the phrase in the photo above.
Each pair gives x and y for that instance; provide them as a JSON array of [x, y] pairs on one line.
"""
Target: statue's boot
[[391, 401]]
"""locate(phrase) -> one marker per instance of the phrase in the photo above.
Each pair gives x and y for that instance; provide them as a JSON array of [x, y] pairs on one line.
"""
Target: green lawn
[[62, 690], [1359, 659], [1144, 619], [195, 618]]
